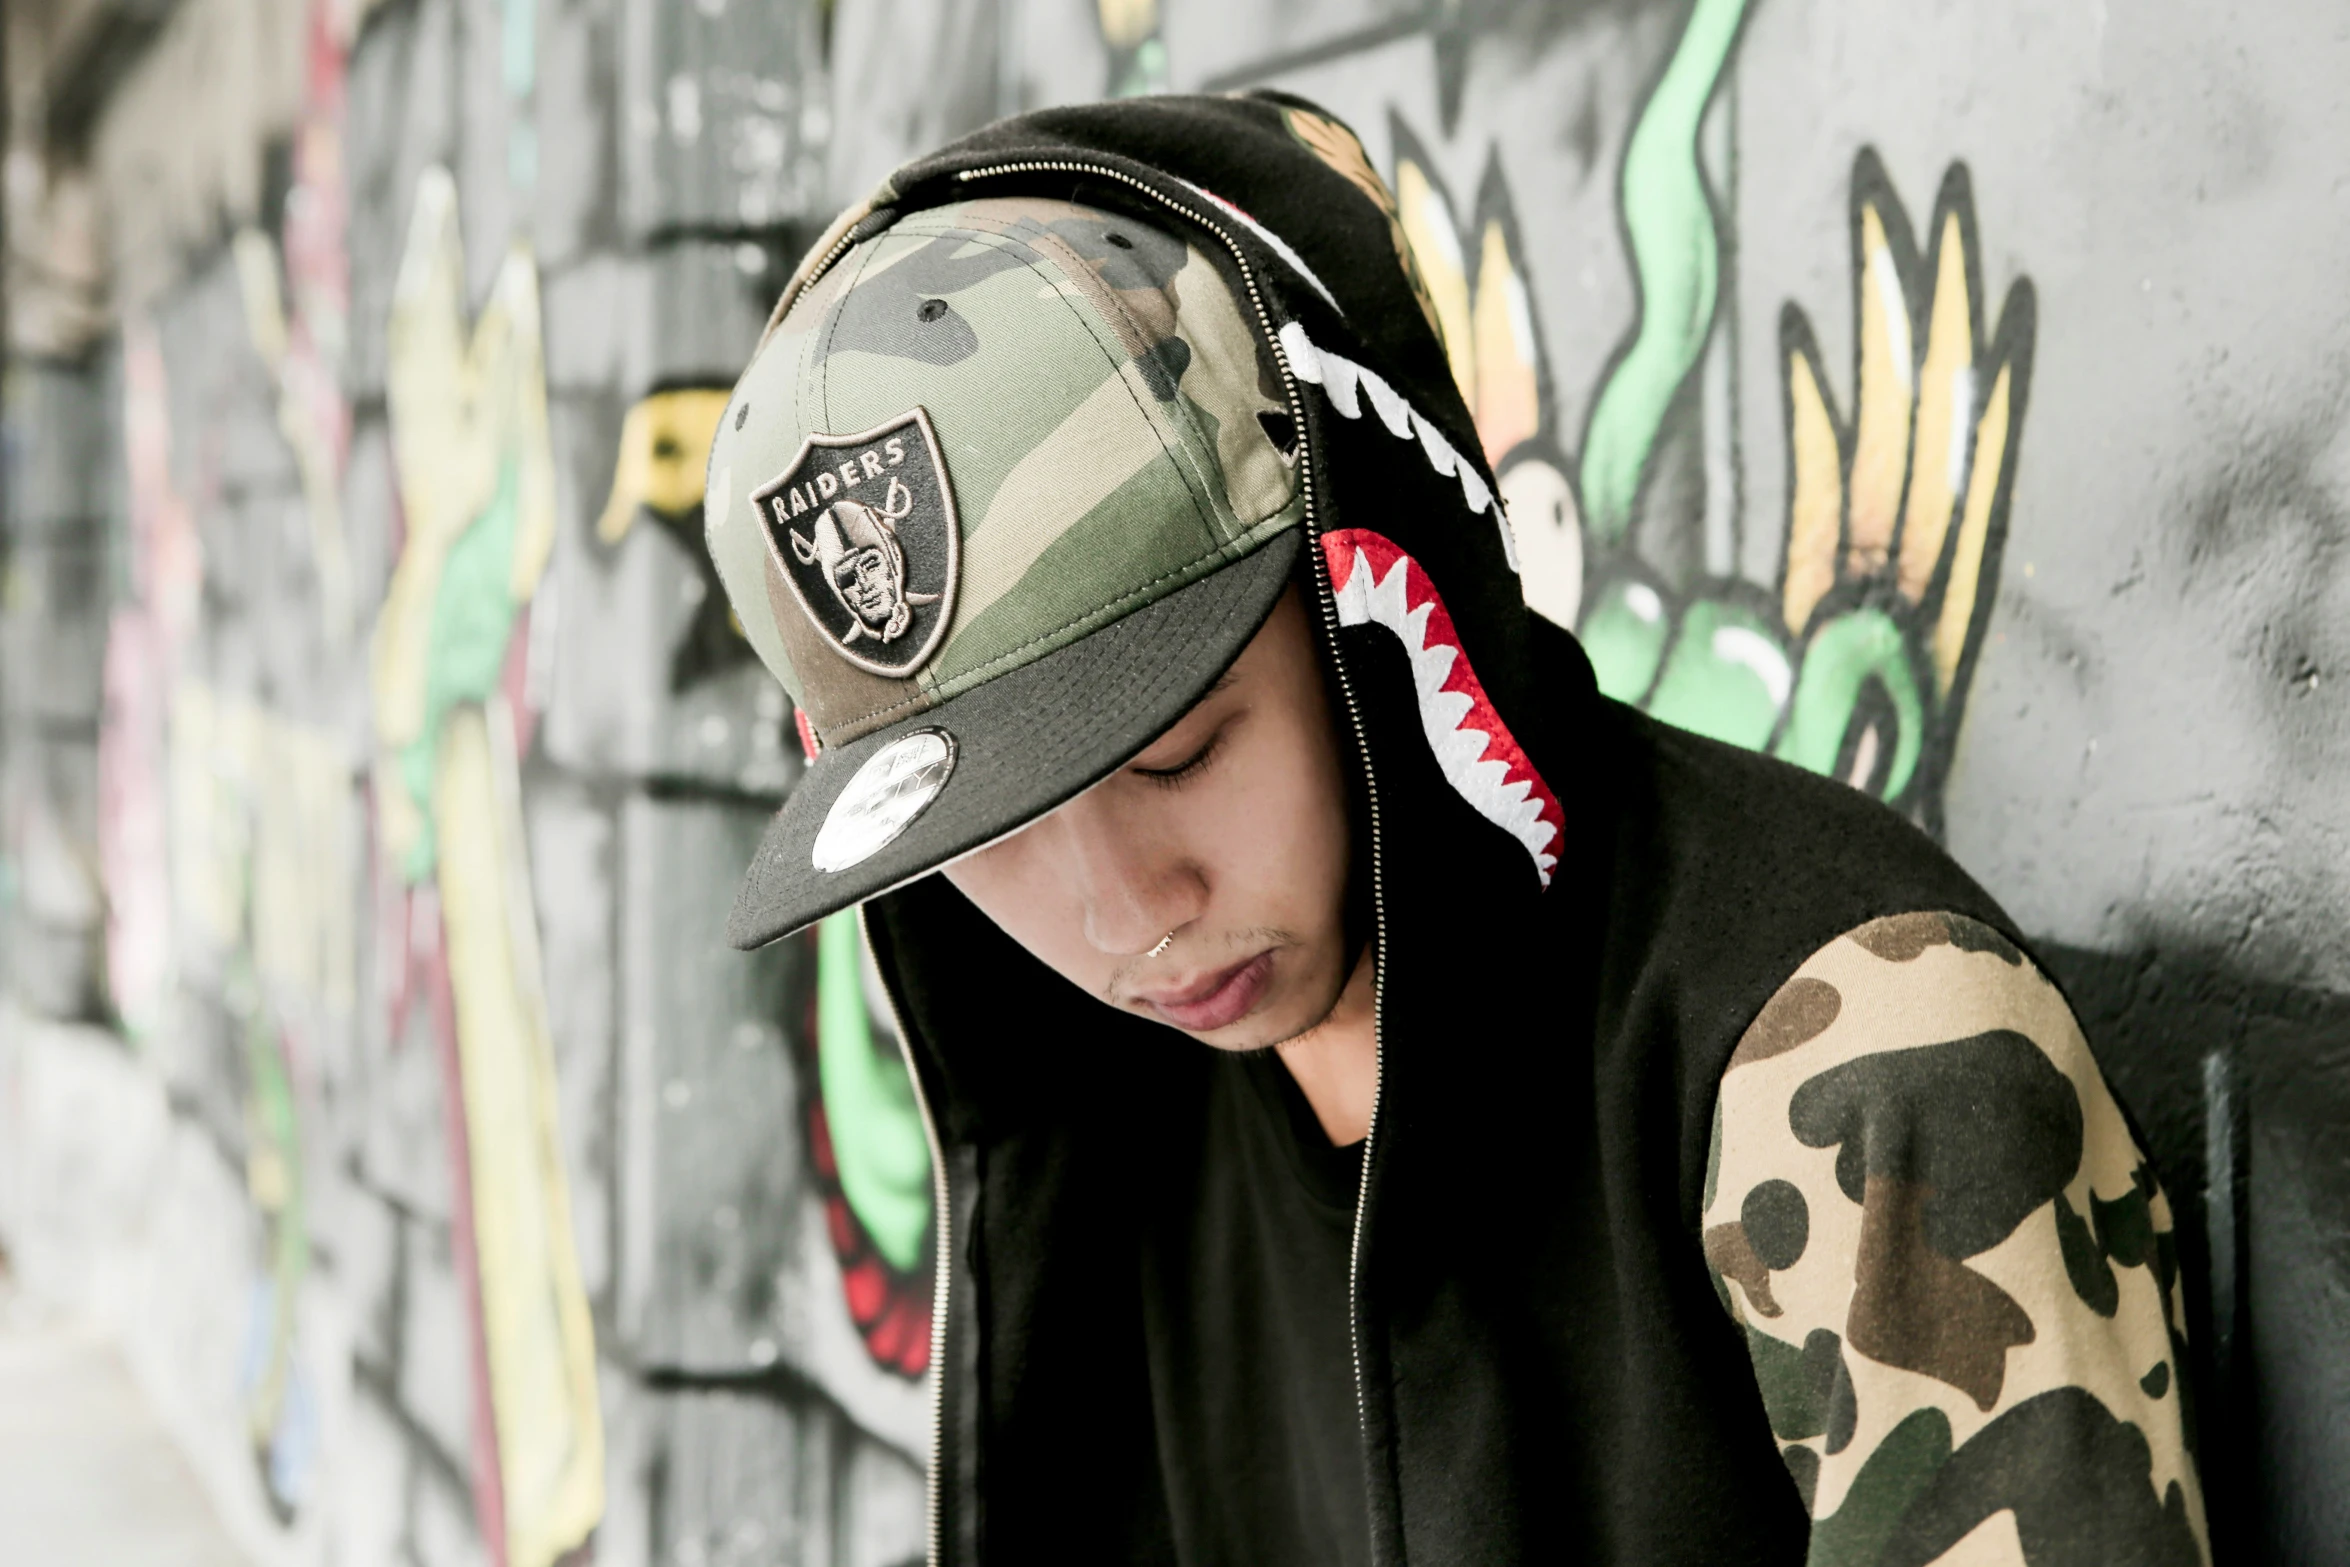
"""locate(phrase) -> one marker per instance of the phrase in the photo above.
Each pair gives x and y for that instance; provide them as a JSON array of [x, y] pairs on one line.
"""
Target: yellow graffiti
[[476, 476], [1910, 488], [1488, 330], [534, 1312], [1127, 23], [469, 447], [1508, 403], [1436, 245], [263, 829], [664, 448], [1481, 303]]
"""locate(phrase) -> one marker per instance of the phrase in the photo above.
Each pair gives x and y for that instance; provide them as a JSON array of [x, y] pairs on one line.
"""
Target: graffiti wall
[[1952, 402]]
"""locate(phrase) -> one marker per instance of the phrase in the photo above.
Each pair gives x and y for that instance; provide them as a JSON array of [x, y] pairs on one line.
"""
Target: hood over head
[[1410, 567], [1047, 1105]]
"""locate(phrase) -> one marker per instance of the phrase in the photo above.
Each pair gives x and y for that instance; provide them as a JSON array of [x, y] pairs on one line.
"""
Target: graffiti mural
[[299, 328], [475, 475], [263, 822], [871, 1155], [1477, 288], [1137, 54], [143, 638], [1856, 663], [866, 1149], [664, 447], [1743, 297], [224, 832], [1897, 515]]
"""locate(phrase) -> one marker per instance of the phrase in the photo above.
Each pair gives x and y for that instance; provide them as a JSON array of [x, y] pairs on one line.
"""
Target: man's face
[[868, 584], [1230, 830]]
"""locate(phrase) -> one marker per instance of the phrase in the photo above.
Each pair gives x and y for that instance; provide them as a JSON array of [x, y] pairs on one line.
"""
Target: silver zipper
[[1327, 600], [840, 248], [940, 1259]]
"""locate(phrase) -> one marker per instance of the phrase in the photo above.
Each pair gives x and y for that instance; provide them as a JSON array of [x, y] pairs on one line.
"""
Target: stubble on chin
[[1322, 1013], [1327, 990]]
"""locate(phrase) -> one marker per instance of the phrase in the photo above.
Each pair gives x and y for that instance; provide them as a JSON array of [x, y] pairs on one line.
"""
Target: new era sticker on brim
[[864, 529], [895, 785]]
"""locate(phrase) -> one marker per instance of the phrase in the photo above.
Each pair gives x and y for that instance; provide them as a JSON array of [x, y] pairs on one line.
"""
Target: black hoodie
[[1545, 1367]]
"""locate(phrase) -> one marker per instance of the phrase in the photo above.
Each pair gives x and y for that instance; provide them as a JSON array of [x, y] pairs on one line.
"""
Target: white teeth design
[[1305, 360], [1273, 241], [1476, 763], [1342, 380], [1339, 378], [1388, 403]]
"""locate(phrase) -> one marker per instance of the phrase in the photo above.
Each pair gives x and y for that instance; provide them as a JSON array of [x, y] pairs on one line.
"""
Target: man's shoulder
[[1713, 874], [1730, 840]]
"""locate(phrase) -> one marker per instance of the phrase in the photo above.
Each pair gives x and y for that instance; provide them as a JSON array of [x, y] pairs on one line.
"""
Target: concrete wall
[[1956, 399]]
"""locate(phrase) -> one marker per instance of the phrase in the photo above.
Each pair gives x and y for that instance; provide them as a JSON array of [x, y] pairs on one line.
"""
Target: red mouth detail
[[1374, 580], [1218, 1000]]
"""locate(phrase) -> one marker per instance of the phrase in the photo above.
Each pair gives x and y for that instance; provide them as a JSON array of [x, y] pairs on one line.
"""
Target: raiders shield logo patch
[[864, 529]]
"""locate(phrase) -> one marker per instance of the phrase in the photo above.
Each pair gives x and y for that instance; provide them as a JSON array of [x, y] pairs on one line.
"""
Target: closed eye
[[1172, 776]]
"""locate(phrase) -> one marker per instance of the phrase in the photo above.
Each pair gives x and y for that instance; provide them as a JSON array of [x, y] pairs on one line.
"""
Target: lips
[[1218, 1000]]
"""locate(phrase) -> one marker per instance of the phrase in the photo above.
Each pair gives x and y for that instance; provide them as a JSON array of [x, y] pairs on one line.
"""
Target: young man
[[1608, 1145]]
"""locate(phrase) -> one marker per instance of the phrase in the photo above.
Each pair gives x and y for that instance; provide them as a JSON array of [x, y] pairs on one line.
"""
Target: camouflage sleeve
[[1954, 1270]]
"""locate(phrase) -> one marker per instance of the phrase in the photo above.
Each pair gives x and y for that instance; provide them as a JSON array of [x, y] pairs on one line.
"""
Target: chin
[[1246, 1037], [1283, 1016]]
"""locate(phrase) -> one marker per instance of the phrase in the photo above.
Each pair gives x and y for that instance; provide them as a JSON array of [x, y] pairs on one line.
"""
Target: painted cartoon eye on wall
[[1857, 661]]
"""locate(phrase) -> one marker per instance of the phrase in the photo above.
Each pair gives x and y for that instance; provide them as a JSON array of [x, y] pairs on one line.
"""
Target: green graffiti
[[1624, 631], [1840, 660], [1725, 678], [877, 1139], [1721, 669], [473, 614], [518, 59], [1676, 253]]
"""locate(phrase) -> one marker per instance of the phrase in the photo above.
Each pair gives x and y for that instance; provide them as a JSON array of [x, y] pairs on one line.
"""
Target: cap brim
[[1022, 743]]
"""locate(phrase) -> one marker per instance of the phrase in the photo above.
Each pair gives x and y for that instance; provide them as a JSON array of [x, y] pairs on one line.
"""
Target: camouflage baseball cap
[[1001, 494]]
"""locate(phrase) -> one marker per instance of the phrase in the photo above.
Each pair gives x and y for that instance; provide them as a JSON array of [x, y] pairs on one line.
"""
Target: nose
[[1133, 888]]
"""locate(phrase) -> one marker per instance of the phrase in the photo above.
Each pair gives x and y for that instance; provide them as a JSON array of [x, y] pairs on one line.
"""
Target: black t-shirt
[[1252, 1369]]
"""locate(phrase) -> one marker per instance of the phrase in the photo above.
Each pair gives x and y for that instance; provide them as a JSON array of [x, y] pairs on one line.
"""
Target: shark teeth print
[[1375, 581], [1348, 385], [1273, 242]]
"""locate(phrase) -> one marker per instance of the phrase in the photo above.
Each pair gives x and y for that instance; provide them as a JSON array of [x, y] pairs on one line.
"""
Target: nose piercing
[[1166, 941]]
